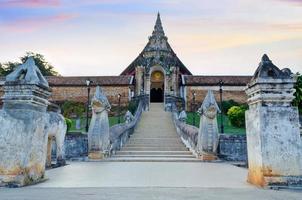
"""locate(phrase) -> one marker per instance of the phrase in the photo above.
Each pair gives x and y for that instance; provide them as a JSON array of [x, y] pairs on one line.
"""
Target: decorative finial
[[158, 29], [265, 58]]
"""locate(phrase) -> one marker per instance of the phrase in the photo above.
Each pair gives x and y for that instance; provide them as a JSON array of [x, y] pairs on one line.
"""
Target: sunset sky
[[102, 37]]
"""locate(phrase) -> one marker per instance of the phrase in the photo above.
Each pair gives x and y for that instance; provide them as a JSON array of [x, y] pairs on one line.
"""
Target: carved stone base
[[275, 181], [96, 155], [20, 180], [207, 156]]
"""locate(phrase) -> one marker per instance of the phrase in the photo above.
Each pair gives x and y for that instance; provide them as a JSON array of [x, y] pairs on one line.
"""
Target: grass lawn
[[112, 121], [228, 128]]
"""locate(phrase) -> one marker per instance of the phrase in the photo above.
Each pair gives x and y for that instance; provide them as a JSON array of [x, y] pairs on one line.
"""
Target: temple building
[[156, 71]]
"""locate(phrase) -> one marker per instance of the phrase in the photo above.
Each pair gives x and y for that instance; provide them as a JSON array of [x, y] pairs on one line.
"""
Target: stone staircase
[[154, 140]]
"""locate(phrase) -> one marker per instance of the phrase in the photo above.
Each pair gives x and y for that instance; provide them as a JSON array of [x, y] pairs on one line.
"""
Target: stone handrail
[[188, 133], [172, 101], [120, 133]]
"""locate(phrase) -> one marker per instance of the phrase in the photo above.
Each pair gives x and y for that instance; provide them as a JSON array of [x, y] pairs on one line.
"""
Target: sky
[[102, 37]]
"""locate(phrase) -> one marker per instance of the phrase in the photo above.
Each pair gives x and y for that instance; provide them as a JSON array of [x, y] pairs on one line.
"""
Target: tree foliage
[[45, 67], [298, 94], [68, 123], [73, 108], [236, 115], [226, 105]]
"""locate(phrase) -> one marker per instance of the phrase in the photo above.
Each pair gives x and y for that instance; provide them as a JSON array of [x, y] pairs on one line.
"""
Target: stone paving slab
[[146, 174], [146, 194]]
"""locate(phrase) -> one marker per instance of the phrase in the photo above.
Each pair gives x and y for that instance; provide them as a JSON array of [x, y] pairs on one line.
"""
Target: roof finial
[[158, 29], [265, 58]]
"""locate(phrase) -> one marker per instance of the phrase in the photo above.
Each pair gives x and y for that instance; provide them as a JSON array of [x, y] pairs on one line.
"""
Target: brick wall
[[79, 94], [235, 93]]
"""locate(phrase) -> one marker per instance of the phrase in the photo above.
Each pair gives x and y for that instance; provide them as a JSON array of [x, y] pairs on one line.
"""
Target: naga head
[[99, 102], [182, 116], [209, 107], [128, 117]]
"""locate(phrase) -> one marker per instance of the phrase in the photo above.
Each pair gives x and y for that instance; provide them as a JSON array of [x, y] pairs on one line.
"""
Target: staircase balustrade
[[188, 133], [120, 133]]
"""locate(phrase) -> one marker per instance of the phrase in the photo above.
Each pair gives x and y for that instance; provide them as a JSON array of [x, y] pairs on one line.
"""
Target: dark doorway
[[157, 87], [157, 95]]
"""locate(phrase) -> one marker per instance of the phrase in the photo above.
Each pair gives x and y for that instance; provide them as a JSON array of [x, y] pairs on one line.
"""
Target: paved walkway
[[146, 194], [146, 174]]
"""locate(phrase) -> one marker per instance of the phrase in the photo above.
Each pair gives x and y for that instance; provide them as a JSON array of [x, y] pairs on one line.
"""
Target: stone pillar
[[98, 133], [208, 129], [24, 126], [139, 73], [147, 82], [175, 72], [272, 128]]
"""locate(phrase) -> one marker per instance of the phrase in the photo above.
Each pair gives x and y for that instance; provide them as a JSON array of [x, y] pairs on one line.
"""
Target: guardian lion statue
[[57, 129]]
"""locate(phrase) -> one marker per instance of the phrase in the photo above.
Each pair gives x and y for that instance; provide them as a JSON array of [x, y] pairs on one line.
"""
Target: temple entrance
[[157, 87]]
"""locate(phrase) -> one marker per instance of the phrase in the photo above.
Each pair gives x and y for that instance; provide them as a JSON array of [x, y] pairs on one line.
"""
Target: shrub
[[298, 94], [73, 108], [236, 115], [68, 123], [133, 106], [226, 105]]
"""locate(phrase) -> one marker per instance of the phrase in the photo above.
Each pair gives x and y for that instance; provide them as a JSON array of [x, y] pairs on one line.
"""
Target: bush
[[133, 106], [73, 108], [236, 115], [226, 105], [298, 94], [68, 123]]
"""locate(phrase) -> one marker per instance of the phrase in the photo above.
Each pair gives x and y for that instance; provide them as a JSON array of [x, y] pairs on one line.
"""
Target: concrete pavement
[[146, 174], [146, 194]]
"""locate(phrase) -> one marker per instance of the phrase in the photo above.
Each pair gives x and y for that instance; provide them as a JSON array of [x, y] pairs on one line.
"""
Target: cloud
[[30, 3], [32, 24]]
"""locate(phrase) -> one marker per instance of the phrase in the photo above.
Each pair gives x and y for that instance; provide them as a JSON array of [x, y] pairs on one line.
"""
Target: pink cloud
[[30, 3], [32, 24]]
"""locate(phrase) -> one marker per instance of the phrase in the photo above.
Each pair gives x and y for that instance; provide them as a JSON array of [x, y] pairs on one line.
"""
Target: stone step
[[154, 136], [153, 156], [155, 140], [142, 144], [150, 159], [153, 153], [153, 145], [154, 148]]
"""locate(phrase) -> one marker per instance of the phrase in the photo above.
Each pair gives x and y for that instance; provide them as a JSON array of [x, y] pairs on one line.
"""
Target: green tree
[[2, 70], [73, 108], [298, 94], [45, 67]]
